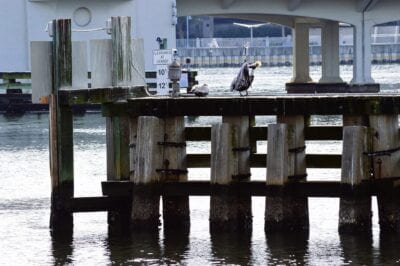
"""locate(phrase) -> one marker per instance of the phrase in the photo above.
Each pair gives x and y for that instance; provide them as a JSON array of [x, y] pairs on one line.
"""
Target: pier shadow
[[61, 247], [389, 243], [176, 245], [231, 247], [357, 248], [287, 248], [141, 247]]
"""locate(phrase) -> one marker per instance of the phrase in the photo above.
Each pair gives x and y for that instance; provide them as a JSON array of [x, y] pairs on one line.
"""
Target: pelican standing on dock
[[244, 78]]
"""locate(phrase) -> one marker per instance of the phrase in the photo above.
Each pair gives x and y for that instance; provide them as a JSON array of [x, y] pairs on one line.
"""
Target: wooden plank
[[224, 161], [258, 160], [261, 133], [121, 66], [98, 204], [278, 164], [61, 128], [176, 213], [355, 211], [253, 188], [326, 104]]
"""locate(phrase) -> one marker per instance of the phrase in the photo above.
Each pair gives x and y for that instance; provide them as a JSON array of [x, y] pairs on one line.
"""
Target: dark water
[[24, 208]]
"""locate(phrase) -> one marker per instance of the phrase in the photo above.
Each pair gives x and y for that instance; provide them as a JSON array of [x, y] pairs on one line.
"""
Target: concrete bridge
[[301, 15]]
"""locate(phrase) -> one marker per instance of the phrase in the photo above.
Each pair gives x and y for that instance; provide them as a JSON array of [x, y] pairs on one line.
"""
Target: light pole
[[251, 27], [187, 30]]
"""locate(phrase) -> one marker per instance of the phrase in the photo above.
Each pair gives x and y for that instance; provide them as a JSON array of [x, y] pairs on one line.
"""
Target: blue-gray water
[[25, 189]]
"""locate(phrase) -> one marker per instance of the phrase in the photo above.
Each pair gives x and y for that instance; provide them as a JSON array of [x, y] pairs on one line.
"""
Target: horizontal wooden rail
[[260, 160], [261, 133], [118, 193], [311, 104], [253, 188], [94, 204]]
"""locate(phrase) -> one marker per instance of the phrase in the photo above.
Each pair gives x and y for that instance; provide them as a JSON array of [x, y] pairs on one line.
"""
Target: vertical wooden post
[[117, 129], [176, 212], [224, 165], [277, 175], [121, 51], [61, 130], [282, 212], [243, 150], [145, 205], [297, 170], [355, 205], [386, 165]]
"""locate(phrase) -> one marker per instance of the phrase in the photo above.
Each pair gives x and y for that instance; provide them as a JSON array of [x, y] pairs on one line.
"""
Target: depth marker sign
[[162, 58]]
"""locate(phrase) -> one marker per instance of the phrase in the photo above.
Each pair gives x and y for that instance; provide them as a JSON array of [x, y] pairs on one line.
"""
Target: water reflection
[[176, 245], [287, 247], [389, 244], [62, 247], [136, 247], [231, 248], [357, 248]]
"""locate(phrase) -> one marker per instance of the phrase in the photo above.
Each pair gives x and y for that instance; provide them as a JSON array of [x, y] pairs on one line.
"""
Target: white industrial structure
[[25, 20]]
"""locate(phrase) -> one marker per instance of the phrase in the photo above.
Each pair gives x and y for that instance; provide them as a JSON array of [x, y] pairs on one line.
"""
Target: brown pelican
[[244, 78]]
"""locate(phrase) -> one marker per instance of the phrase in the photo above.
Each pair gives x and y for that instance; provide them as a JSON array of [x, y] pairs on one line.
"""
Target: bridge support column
[[362, 54], [330, 53], [301, 57]]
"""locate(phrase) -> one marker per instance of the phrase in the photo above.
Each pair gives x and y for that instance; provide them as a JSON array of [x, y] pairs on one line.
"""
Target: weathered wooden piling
[[297, 169], [355, 203], [117, 127], [243, 150], [176, 214], [386, 170], [282, 212], [61, 129], [224, 167], [145, 201]]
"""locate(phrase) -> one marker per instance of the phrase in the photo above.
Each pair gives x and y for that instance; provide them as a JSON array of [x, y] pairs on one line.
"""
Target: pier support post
[[297, 169], [330, 52], [355, 204], [176, 212], [61, 131], [146, 203], [117, 128], [243, 150], [282, 212], [301, 56], [224, 166], [386, 161]]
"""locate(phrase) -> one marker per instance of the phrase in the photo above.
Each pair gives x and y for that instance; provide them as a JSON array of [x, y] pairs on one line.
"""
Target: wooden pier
[[147, 158]]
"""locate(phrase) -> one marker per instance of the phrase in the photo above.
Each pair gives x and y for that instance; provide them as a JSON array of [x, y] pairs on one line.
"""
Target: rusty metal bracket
[[298, 149], [172, 171], [382, 153], [172, 144]]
